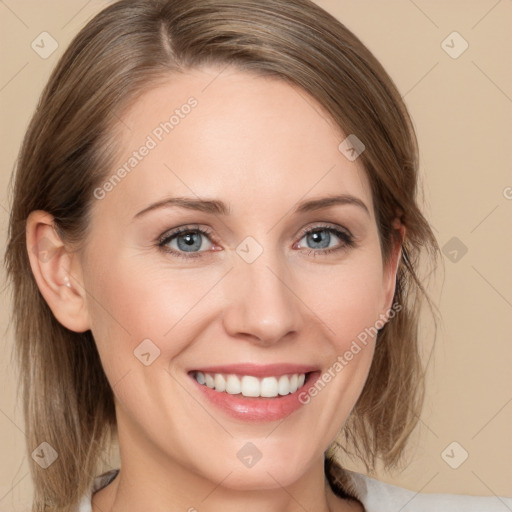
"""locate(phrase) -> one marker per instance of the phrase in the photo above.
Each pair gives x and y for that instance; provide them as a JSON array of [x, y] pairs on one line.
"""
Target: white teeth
[[269, 387], [283, 386], [293, 383], [209, 380], [248, 385], [233, 386], [220, 382]]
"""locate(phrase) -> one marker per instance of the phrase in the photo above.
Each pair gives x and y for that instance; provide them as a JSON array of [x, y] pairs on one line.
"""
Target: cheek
[[350, 300], [133, 303], [350, 311]]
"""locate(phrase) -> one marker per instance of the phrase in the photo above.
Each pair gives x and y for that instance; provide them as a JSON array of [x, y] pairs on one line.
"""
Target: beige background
[[462, 109]]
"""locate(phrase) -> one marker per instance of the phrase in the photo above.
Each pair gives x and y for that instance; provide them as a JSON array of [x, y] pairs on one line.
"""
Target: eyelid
[[171, 233], [326, 226]]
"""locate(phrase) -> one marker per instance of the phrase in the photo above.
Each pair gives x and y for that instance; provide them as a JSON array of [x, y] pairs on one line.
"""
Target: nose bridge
[[261, 304]]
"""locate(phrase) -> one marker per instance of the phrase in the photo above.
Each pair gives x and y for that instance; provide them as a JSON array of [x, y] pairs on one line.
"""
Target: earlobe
[[57, 272]]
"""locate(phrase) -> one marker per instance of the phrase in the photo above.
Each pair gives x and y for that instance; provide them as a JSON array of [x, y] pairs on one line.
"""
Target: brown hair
[[68, 151]]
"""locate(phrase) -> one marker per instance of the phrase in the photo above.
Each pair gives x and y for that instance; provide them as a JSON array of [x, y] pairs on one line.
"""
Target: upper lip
[[258, 370]]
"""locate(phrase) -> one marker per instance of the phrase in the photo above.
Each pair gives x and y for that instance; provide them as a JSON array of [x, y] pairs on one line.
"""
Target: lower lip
[[257, 408]]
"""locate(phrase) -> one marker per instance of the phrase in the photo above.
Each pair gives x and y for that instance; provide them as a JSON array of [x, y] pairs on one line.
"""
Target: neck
[[148, 481]]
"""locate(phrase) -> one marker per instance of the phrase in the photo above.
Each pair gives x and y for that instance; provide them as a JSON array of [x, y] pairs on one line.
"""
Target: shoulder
[[378, 496]]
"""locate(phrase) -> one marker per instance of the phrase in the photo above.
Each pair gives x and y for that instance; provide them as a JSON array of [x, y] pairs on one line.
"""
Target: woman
[[215, 235]]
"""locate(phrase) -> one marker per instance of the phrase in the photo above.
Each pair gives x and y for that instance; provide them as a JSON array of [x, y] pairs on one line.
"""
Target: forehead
[[231, 135]]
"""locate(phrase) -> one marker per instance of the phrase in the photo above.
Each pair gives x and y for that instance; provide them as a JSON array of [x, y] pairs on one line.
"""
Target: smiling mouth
[[251, 386]]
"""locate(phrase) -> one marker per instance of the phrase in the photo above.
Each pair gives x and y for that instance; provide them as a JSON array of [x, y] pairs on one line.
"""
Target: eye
[[325, 239], [190, 242], [186, 240]]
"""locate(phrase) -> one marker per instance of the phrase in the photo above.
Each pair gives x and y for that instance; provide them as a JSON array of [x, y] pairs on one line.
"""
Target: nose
[[261, 304]]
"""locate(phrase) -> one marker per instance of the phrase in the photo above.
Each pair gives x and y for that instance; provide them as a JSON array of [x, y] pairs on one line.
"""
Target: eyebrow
[[216, 207]]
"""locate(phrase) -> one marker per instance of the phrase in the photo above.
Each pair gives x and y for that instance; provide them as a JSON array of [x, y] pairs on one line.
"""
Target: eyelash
[[347, 240]]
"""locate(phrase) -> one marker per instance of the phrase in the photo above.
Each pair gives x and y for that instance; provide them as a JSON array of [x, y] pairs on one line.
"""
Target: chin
[[262, 477]]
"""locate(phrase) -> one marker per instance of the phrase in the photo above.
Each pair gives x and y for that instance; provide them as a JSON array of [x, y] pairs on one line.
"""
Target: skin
[[260, 146]]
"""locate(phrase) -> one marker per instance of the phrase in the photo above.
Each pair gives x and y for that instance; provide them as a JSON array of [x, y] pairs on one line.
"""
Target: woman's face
[[239, 249]]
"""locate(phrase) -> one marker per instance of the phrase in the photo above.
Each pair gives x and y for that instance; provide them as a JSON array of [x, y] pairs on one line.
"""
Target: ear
[[391, 268], [57, 272]]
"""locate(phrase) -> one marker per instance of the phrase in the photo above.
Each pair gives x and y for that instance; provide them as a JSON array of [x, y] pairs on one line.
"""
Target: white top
[[377, 496]]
